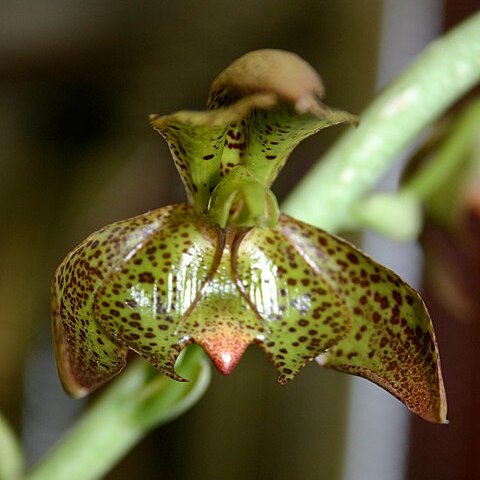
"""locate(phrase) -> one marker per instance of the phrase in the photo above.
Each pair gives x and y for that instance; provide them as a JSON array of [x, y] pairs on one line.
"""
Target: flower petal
[[86, 355], [391, 342], [145, 304], [298, 306], [198, 142], [257, 117]]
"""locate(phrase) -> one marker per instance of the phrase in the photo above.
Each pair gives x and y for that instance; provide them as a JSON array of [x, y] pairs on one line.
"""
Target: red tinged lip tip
[[225, 348], [226, 361]]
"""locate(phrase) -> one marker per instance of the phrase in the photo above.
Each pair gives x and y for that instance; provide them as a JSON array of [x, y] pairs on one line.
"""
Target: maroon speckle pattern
[[391, 341]]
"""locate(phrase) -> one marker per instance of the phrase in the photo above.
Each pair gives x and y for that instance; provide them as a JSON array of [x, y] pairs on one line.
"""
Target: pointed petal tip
[[75, 391], [225, 348], [225, 359], [438, 416], [175, 376]]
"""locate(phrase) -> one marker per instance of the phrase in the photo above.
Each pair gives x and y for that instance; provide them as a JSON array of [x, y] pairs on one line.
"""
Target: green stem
[[446, 162], [441, 75], [137, 401], [11, 460]]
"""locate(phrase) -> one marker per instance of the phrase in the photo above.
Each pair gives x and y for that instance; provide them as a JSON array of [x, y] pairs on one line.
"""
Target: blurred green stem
[[11, 460], [399, 214], [446, 161], [438, 77], [139, 400]]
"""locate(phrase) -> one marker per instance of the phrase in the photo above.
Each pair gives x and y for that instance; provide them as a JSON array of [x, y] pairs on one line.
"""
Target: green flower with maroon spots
[[227, 269]]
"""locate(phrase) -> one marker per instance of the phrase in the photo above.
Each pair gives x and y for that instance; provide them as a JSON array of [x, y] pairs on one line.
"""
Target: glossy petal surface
[[157, 282], [145, 303], [299, 307], [223, 289], [391, 341], [86, 355]]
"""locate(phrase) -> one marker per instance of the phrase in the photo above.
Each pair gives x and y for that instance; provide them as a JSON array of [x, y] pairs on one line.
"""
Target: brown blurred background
[[77, 82]]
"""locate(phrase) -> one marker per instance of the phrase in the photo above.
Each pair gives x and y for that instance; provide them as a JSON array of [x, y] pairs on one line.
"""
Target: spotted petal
[[198, 142], [299, 307], [145, 304], [257, 117], [86, 355], [391, 342], [223, 289]]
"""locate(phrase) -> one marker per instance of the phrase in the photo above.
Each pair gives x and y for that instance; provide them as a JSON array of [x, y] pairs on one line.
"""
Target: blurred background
[[77, 82]]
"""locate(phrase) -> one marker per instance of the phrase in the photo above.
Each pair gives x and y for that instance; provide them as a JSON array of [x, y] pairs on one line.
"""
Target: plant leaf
[[391, 341]]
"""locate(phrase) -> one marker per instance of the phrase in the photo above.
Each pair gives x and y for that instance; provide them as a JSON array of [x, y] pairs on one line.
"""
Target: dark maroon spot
[[397, 297], [352, 257], [145, 277]]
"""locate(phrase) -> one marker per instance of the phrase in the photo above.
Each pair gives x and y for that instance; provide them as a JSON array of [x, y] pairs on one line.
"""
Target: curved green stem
[[446, 161], [137, 401], [398, 214], [11, 460], [442, 74]]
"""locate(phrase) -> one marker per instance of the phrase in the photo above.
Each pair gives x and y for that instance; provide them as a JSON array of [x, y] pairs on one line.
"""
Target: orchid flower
[[227, 269]]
